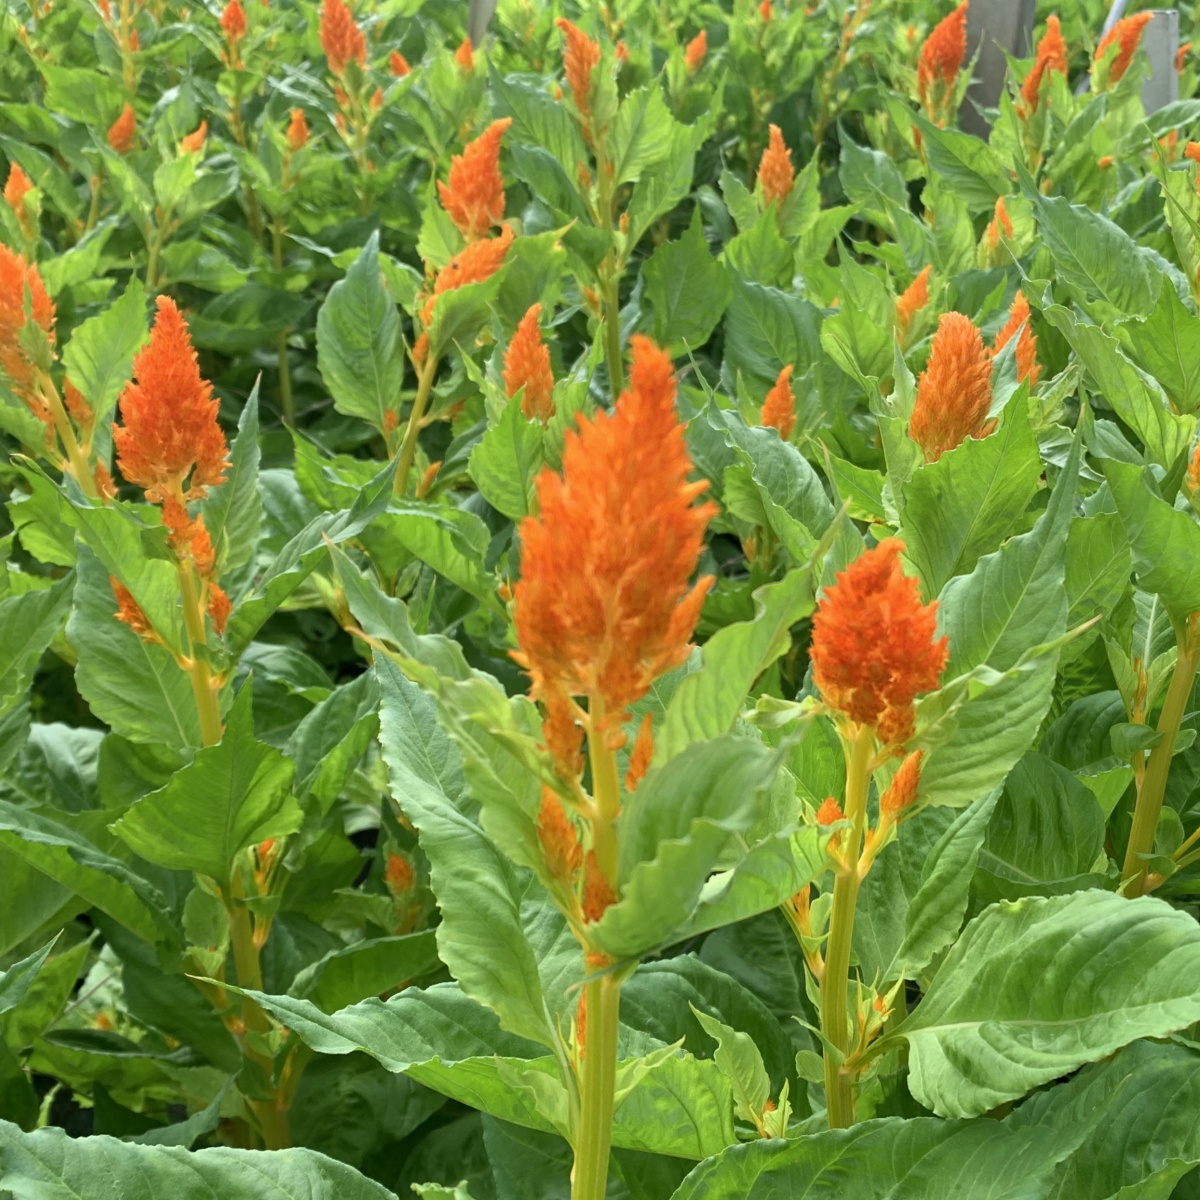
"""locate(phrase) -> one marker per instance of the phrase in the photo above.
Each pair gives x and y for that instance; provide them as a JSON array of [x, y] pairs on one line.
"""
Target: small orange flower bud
[[195, 140], [1126, 36], [911, 301], [641, 755], [775, 172], [1018, 319], [17, 277], [465, 56], [697, 49], [764, 10], [19, 186], [1193, 471], [1000, 225], [580, 59], [598, 894], [940, 62], [779, 408], [233, 21], [475, 263], [129, 612], [1181, 56], [341, 38], [558, 838], [377, 99], [297, 130], [1105, 162], [428, 478], [622, 53], [219, 607], [123, 130], [473, 195], [902, 791], [829, 813], [398, 64], [80, 410], [1051, 57], [954, 392], [398, 875], [527, 365]]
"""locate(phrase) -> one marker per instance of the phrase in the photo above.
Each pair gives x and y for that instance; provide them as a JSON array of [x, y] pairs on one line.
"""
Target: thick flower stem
[[76, 459], [593, 1138], [839, 1084], [208, 708], [286, 403], [1158, 767], [606, 792], [612, 336], [408, 447]]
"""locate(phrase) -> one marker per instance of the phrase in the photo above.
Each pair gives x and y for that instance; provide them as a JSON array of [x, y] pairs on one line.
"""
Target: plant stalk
[[839, 1085], [408, 447], [208, 708], [286, 404], [1154, 783], [593, 1138], [76, 458]]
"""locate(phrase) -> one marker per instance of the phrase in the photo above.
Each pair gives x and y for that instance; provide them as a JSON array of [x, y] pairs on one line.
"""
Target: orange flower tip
[[598, 894], [1051, 57], [1028, 369], [527, 365], [1192, 152], [910, 302], [195, 140], [473, 195], [696, 51], [1181, 56], [641, 755], [23, 297], [1125, 36], [297, 130], [465, 55], [830, 812], [398, 875], [954, 392], [874, 645], [901, 793], [779, 408], [476, 262], [219, 608], [129, 612], [398, 64], [233, 20], [941, 60], [558, 838], [580, 59], [764, 10], [775, 171], [427, 479], [19, 185], [341, 39], [123, 130]]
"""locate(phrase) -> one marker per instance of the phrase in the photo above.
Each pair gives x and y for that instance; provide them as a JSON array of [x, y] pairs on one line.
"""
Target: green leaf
[[963, 506], [967, 165], [50, 1164], [766, 328], [687, 290], [739, 1061], [359, 352], [459, 314], [17, 980], [230, 796], [505, 463], [233, 511], [641, 135], [29, 622], [99, 356], [370, 968], [1098, 567], [1167, 344], [1005, 1014], [452, 540], [332, 738]]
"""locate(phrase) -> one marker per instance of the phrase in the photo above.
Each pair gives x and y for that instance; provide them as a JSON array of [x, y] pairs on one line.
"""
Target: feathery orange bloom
[[902, 791], [465, 55], [764, 10], [1051, 57], [233, 21], [954, 392], [398, 875], [473, 264], [376, 104], [473, 195], [999, 226], [641, 755], [779, 408], [19, 186], [129, 612], [1192, 151], [580, 59], [341, 38], [1126, 35], [15, 277], [527, 365], [775, 171], [1181, 56], [195, 140], [940, 62], [169, 416], [830, 812], [1193, 471], [80, 410], [123, 130], [558, 838], [219, 607], [297, 130], [598, 894], [1018, 319], [873, 648], [604, 605], [696, 51], [911, 301], [398, 64]]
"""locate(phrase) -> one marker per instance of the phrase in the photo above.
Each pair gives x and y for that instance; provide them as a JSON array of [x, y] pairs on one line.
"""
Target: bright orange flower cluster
[[123, 130], [911, 301], [829, 812], [775, 171], [233, 21], [129, 611], [1051, 57], [195, 140], [1028, 368], [874, 648], [559, 839], [473, 195], [940, 62], [604, 605], [465, 56], [580, 59], [398, 64], [1126, 35], [779, 408], [1000, 226], [696, 51], [297, 130], [901, 793], [954, 392], [19, 186], [527, 365], [16, 277], [341, 38]]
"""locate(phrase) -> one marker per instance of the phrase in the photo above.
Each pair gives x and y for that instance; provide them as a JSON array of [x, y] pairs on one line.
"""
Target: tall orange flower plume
[[775, 171], [465, 55], [580, 59], [473, 264], [901, 793], [19, 186], [604, 605], [233, 21], [940, 62], [954, 392], [1051, 57], [123, 130], [16, 277], [696, 51], [779, 408], [297, 130], [1000, 226], [874, 648], [169, 434], [1126, 35], [398, 64], [911, 301], [473, 195], [195, 140], [1028, 368], [527, 365], [558, 838], [341, 38], [764, 10]]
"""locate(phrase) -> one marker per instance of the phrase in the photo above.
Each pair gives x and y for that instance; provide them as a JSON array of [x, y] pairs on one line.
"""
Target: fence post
[[478, 18], [1160, 40], [994, 28]]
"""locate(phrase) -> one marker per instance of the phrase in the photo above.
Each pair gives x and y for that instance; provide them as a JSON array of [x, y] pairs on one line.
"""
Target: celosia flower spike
[[341, 38], [775, 171], [779, 408], [233, 21], [558, 838], [1126, 35], [465, 56], [527, 365], [911, 301], [123, 130], [604, 603], [642, 754], [874, 648], [1018, 319], [17, 277], [830, 812], [129, 611], [697, 49], [297, 130], [1051, 57], [580, 59], [473, 264], [19, 186], [169, 434], [398, 64], [473, 195], [195, 140], [901, 793], [954, 392], [940, 62]]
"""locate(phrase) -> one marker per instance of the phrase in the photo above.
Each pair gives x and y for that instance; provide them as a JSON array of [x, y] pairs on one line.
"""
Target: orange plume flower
[[527, 365], [580, 59], [558, 838], [902, 791], [642, 754], [1051, 57], [1193, 472], [169, 416], [398, 875], [473, 195], [465, 55], [1018, 319], [775, 171], [1126, 35], [1181, 56], [764, 10], [696, 51], [779, 408], [219, 607], [233, 21], [940, 62], [195, 140], [954, 392], [830, 812], [911, 301], [341, 38], [598, 894], [297, 130], [999, 226], [398, 64], [129, 612], [473, 264], [19, 186], [874, 647], [17, 277], [1192, 152], [123, 130], [604, 605]]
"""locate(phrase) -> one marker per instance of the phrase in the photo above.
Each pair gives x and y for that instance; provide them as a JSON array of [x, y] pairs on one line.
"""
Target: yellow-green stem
[[839, 1084], [208, 708], [76, 459], [593, 1137], [1158, 767], [160, 236], [606, 793], [286, 403], [408, 448], [94, 206]]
